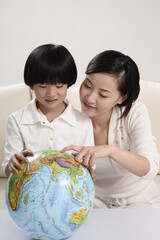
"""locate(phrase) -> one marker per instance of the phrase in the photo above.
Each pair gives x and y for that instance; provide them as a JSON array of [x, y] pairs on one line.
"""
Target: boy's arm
[[14, 163], [14, 144]]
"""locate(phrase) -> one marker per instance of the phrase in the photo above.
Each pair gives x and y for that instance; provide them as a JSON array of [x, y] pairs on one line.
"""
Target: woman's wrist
[[113, 150]]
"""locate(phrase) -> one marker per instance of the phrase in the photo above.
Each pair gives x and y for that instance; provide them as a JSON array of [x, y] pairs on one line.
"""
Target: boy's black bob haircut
[[50, 64]]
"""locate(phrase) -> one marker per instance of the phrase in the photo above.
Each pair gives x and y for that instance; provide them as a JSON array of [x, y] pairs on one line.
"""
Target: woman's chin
[[88, 112]]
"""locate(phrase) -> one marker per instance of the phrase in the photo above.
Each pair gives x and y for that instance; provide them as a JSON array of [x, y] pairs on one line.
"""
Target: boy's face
[[50, 98]]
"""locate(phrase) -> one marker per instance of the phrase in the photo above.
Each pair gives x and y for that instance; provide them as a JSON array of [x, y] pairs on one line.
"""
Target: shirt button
[[43, 123], [51, 139]]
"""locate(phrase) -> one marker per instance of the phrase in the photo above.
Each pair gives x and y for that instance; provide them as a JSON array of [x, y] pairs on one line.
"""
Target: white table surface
[[102, 224]]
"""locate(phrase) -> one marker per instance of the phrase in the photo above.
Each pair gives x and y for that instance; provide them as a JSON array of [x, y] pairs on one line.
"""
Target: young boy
[[48, 121]]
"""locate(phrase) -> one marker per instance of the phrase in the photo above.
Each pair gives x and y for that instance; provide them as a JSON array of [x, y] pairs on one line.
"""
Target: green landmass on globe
[[55, 189]]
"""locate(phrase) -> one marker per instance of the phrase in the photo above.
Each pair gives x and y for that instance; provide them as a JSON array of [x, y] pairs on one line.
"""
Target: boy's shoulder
[[80, 115], [19, 113], [76, 117]]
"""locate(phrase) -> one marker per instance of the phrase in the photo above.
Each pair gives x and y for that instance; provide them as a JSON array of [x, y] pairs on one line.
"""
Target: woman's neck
[[101, 121], [101, 128]]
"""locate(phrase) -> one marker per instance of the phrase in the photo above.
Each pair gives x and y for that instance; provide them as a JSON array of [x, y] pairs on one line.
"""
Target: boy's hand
[[14, 163]]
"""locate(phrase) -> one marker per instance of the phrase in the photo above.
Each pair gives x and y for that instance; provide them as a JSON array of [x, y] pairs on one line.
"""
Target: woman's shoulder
[[138, 108], [138, 104], [137, 116]]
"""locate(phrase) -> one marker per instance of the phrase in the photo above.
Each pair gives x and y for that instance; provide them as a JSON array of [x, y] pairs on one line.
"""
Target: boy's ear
[[32, 88], [122, 99]]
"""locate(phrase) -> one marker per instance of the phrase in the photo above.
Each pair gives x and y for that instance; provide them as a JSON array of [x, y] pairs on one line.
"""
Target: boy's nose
[[51, 91]]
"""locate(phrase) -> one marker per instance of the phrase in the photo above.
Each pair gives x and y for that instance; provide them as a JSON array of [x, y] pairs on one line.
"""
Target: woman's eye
[[103, 96], [86, 85]]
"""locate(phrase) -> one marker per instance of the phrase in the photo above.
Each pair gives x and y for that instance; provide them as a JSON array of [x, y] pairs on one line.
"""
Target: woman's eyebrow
[[105, 90], [101, 89], [89, 81]]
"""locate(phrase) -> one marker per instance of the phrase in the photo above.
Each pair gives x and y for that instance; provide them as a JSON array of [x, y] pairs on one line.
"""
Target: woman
[[125, 154]]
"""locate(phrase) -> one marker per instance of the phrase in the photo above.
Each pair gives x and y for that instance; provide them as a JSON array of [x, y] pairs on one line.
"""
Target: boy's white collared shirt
[[28, 128]]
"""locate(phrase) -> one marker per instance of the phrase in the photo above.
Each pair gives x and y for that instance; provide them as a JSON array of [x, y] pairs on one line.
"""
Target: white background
[[85, 27]]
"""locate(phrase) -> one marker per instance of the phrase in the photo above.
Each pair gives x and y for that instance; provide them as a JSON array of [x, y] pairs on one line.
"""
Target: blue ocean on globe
[[51, 197]]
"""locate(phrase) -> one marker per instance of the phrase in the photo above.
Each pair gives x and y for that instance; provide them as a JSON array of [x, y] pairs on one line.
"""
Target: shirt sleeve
[[88, 134], [14, 141], [141, 137]]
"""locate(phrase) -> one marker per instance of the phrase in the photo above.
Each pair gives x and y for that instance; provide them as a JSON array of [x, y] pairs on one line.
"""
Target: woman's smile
[[88, 106]]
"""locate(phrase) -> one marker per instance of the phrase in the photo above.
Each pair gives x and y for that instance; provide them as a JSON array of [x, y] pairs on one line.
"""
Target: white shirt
[[28, 128], [134, 134]]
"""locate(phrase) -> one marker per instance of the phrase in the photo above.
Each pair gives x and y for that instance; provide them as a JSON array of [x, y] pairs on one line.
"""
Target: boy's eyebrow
[[104, 90]]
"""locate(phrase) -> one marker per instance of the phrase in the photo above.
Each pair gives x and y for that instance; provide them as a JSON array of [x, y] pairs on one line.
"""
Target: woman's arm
[[134, 163], [142, 142], [142, 160]]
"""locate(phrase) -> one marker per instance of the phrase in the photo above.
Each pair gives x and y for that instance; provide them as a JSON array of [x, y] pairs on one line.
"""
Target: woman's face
[[99, 94]]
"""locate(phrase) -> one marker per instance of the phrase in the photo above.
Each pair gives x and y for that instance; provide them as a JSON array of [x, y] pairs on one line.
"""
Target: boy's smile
[[50, 98], [51, 101]]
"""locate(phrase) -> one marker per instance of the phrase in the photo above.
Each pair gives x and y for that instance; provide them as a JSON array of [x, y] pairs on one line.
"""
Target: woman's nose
[[91, 97]]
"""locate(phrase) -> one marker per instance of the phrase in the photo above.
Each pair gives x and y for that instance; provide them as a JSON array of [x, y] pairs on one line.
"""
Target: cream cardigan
[[134, 134]]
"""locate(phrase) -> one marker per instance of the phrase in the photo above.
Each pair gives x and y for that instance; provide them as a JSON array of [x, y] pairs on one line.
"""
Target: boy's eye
[[42, 86], [59, 86]]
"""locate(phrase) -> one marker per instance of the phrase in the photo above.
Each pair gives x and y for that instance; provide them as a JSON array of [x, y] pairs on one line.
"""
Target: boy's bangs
[[53, 80], [47, 74]]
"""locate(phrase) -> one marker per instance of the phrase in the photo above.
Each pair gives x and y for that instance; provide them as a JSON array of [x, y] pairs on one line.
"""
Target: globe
[[51, 197]]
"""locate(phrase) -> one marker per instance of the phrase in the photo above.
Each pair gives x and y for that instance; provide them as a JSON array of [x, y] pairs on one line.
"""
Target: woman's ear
[[122, 99]]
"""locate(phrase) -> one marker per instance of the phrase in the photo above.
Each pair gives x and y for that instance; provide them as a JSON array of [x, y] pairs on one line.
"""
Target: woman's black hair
[[50, 64], [121, 67]]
